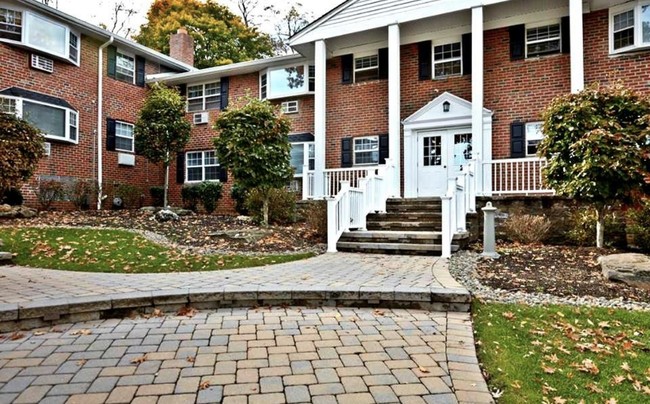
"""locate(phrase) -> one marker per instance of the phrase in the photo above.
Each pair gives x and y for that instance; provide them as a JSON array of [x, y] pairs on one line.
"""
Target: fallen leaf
[[16, 336], [626, 367], [594, 388], [508, 315], [548, 370], [204, 385], [191, 359], [423, 369], [187, 312], [139, 360], [618, 379], [81, 362], [559, 400], [81, 332], [547, 389]]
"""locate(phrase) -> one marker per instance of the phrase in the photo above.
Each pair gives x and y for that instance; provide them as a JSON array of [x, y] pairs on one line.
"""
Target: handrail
[[517, 176], [458, 201]]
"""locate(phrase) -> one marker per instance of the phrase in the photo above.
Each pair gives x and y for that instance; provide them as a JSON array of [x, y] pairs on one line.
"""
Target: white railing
[[349, 207], [332, 179], [517, 176], [459, 200]]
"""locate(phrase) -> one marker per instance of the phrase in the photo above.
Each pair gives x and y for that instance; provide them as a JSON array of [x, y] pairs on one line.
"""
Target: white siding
[[365, 9]]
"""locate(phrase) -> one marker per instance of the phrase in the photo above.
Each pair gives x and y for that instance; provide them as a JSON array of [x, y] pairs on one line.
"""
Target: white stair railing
[[459, 200]]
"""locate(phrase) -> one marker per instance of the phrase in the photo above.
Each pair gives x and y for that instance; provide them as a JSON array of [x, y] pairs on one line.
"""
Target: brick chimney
[[181, 46]]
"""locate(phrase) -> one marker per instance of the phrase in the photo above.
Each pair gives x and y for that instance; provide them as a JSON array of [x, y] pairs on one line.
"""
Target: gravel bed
[[463, 268]]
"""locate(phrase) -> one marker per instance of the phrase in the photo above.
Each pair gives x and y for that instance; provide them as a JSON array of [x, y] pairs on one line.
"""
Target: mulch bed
[[557, 270], [191, 231]]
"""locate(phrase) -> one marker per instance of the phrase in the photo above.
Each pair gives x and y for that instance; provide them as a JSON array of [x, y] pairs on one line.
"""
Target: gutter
[[100, 121]]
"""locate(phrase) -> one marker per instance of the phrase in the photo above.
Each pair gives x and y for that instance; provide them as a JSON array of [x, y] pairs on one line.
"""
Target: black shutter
[[517, 42], [346, 152], [112, 61], [347, 69], [424, 60], [180, 168], [139, 71], [383, 63], [517, 140], [110, 134], [182, 89], [466, 47], [225, 88], [566, 35], [223, 174], [383, 149]]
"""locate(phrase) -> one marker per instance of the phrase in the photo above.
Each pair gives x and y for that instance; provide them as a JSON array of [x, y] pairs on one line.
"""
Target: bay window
[[302, 154], [287, 81], [629, 26], [37, 32]]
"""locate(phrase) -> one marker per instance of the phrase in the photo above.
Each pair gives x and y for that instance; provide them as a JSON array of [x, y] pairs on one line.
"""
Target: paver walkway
[[21, 285], [278, 355]]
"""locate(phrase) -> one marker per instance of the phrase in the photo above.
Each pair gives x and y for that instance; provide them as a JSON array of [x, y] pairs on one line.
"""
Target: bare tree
[[289, 24], [248, 8], [51, 3], [120, 17]]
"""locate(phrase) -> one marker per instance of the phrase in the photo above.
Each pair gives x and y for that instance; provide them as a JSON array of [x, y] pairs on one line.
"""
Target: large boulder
[[166, 215], [631, 269], [13, 212]]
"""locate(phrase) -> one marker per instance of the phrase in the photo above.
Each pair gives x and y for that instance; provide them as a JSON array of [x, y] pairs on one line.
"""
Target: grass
[[561, 354], [118, 251]]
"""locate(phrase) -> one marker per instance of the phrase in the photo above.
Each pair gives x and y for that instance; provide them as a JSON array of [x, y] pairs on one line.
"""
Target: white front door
[[441, 155]]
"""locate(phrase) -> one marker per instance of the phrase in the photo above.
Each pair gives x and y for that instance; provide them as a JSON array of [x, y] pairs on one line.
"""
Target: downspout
[[100, 120]]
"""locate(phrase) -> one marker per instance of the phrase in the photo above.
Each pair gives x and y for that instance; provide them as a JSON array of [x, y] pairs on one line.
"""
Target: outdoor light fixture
[[446, 106]]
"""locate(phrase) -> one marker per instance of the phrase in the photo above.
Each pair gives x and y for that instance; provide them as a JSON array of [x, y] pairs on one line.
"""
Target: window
[[124, 137], [432, 151], [37, 32], [543, 40], [125, 67], [287, 81], [56, 122], [201, 166], [447, 60], [366, 150], [290, 107], [630, 26], [366, 68], [202, 97], [534, 135], [462, 149], [301, 154]]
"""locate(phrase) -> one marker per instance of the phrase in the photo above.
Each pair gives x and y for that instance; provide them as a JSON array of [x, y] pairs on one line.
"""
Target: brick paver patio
[[265, 355]]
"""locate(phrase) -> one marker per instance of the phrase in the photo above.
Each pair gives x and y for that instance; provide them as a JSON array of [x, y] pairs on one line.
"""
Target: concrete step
[[434, 217], [403, 226], [394, 237], [393, 248]]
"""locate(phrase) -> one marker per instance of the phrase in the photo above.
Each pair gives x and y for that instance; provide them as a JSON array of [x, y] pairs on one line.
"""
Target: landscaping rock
[[5, 257], [182, 212], [17, 212], [149, 209], [5, 208], [631, 269], [246, 236], [167, 216]]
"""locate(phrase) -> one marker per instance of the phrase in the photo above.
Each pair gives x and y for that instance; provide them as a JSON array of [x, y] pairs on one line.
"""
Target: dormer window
[[36, 32]]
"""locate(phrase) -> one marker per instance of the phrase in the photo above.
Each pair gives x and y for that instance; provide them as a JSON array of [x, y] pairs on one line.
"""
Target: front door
[[441, 155]]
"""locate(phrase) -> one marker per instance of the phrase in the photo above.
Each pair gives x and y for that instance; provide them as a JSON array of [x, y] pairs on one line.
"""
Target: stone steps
[[403, 226]]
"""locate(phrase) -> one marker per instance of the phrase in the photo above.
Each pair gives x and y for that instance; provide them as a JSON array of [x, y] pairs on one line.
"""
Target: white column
[[477, 92], [394, 106], [320, 117], [577, 46]]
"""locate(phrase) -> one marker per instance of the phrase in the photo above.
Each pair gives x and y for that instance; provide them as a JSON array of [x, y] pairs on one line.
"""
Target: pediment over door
[[446, 107]]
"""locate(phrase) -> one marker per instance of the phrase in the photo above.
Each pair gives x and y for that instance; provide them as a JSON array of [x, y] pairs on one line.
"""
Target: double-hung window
[[124, 137], [366, 150], [543, 39], [629, 26], [201, 166], [447, 60], [534, 136], [366, 68], [202, 97], [125, 67], [37, 32]]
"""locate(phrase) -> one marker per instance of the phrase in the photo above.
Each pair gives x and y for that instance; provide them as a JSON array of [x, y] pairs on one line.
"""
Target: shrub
[[583, 228], [80, 193], [238, 194], [282, 205], [209, 195], [157, 195], [191, 197], [48, 192], [639, 226], [130, 194], [12, 197], [315, 215], [527, 229], [21, 146]]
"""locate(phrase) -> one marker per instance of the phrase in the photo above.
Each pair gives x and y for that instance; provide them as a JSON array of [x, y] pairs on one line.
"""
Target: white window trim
[[203, 167], [269, 90], [538, 137], [305, 162], [286, 105], [135, 67], [638, 26], [124, 137], [360, 55], [447, 41], [543, 24], [68, 113], [23, 42], [354, 151], [203, 84]]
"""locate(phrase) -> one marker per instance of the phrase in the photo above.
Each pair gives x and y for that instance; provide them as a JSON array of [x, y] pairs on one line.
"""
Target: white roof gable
[[433, 111]]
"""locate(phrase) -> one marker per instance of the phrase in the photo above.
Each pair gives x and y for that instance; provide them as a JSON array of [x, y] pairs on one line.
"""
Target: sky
[[100, 11]]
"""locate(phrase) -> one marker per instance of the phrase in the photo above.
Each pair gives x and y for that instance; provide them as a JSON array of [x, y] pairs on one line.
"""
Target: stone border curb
[[43, 313]]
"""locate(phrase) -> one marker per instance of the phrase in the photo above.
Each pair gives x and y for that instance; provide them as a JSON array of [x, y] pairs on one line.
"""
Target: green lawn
[[116, 251], [561, 354]]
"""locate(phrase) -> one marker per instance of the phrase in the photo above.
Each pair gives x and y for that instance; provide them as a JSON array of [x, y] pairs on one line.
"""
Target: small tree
[[21, 146], [596, 143], [162, 129], [253, 144]]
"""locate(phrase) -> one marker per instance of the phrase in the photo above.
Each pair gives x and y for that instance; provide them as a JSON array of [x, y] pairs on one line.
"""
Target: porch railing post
[[306, 191]]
